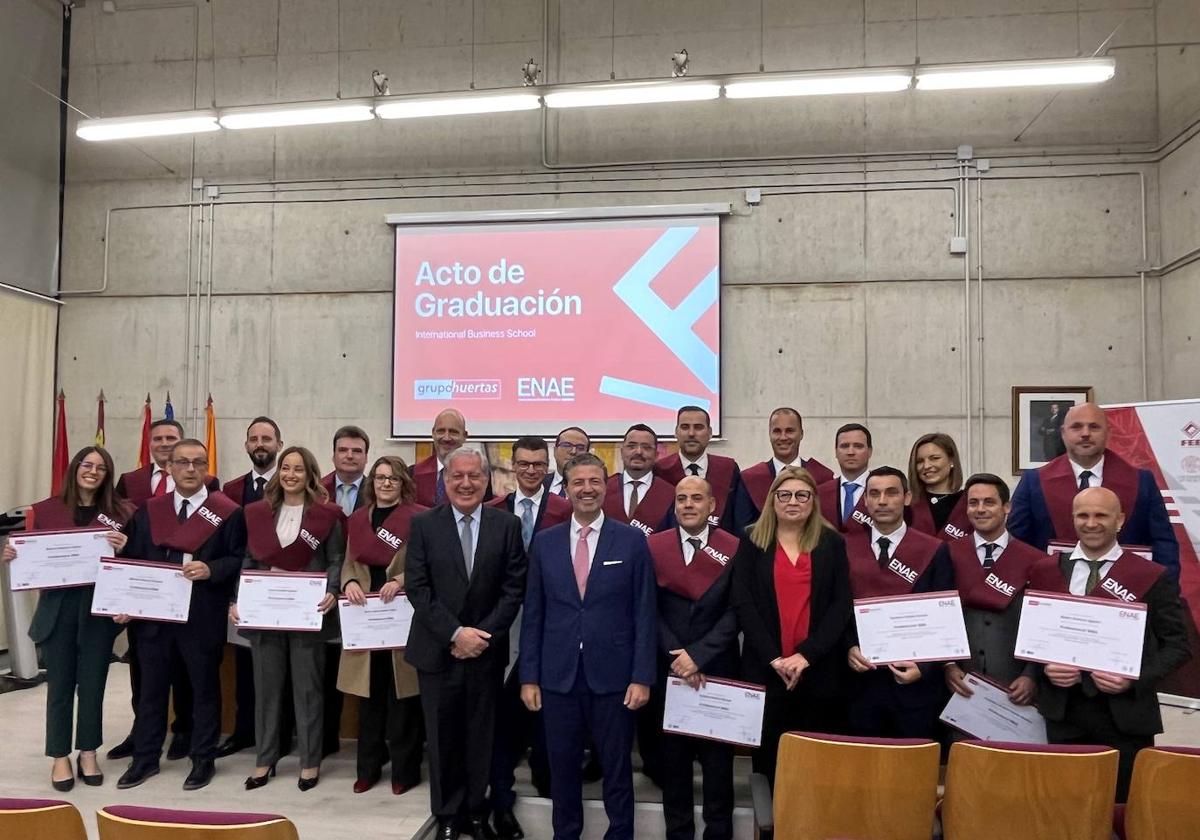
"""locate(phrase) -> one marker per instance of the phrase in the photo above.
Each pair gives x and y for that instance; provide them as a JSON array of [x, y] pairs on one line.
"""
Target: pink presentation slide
[[530, 327]]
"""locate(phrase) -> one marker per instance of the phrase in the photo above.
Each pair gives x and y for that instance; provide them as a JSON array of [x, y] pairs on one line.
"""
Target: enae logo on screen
[[458, 389]]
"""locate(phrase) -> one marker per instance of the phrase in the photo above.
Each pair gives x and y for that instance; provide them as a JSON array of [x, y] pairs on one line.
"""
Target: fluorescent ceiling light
[[1068, 71], [631, 93], [303, 113], [819, 83], [444, 105], [149, 125]]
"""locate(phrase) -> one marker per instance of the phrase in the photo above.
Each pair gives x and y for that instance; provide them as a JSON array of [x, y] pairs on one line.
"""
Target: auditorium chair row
[[830, 787], [51, 819]]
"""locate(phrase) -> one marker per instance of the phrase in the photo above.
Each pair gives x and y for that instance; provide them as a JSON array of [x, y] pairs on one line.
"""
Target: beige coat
[[354, 672]]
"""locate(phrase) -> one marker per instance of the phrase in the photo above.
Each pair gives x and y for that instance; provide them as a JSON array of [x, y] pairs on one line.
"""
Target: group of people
[[547, 621]]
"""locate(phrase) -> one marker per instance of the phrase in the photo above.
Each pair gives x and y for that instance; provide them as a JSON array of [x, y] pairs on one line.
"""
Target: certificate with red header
[[142, 590], [720, 710], [274, 600], [57, 559], [911, 628], [1091, 634]]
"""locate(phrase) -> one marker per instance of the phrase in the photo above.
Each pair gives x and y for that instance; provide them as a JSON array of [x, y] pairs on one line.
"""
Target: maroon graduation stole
[[757, 480], [708, 564], [168, 532], [909, 560], [1059, 489], [720, 478], [424, 475], [830, 494], [652, 507], [920, 516], [378, 546], [995, 588], [52, 515], [235, 488], [316, 524]]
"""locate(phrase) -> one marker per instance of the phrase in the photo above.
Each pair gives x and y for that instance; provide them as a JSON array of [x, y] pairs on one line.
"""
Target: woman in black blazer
[[76, 645], [791, 593]]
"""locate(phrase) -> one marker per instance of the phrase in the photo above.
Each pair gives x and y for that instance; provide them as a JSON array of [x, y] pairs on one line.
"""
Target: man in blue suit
[[1041, 505], [588, 647]]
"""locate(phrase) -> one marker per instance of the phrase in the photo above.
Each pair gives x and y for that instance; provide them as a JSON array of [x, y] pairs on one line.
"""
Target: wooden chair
[[839, 786], [1164, 795], [1033, 791], [132, 822], [40, 819]]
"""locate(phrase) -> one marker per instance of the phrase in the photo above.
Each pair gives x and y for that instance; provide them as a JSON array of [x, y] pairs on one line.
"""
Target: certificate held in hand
[[911, 628], [273, 600], [375, 625], [57, 559], [721, 710], [1091, 634], [989, 715], [142, 590]]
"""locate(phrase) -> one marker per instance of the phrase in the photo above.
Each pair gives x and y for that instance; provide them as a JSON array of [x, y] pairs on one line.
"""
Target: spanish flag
[[210, 436], [62, 456], [100, 419], [144, 446]]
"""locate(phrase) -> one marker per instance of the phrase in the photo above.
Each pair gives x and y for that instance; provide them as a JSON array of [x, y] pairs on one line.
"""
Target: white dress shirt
[[894, 539], [1097, 472], [160, 474], [255, 475], [1001, 543], [701, 462], [536, 498], [194, 503], [860, 480], [689, 552], [780, 466], [627, 488], [593, 538], [556, 484], [287, 524], [1079, 574]]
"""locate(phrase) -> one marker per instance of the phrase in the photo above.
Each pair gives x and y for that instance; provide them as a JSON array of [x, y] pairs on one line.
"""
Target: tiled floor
[[330, 810]]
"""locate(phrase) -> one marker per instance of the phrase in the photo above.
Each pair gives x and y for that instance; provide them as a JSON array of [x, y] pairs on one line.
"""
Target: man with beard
[[635, 496], [693, 430], [263, 442]]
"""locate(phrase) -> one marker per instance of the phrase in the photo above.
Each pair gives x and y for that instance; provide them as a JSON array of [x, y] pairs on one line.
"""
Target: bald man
[[1041, 504], [449, 432], [1099, 708]]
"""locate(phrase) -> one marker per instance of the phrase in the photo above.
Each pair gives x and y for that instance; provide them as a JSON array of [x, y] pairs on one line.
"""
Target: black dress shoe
[[181, 746], [507, 827], [138, 772], [91, 781], [203, 770], [446, 830], [307, 784], [63, 785], [232, 745], [122, 750], [477, 829]]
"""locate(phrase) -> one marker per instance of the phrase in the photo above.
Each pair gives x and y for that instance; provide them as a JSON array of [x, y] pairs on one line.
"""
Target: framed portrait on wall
[[1037, 419]]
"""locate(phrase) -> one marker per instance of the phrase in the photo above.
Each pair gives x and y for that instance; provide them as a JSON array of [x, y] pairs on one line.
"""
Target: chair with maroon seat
[[132, 822], [1033, 791], [1164, 795], [40, 819], [839, 786]]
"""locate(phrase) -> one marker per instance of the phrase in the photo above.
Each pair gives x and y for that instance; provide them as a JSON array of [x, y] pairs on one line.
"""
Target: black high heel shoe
[[91, 781], [308, 784], [254, 782], [63, 785]]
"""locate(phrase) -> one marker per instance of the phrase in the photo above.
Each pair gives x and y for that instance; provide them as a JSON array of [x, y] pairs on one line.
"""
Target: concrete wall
[[841, 296]]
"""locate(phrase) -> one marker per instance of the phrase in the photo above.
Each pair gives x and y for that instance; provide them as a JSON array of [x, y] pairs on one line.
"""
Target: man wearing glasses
[[570, 442], [517, 728], [209, 547]]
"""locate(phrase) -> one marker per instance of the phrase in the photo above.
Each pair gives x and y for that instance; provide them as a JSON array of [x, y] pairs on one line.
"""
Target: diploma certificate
[[55, 559], [723, 710], [375, 625], [1091, 634], [911, 628], [989, 715], [147, 591], [269, 600]]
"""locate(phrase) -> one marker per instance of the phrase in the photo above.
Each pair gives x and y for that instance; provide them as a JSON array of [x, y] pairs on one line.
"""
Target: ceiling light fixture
[[819, 83], [452, 104], [150, 125], [1067, 71], [632, 93], [302, 113]]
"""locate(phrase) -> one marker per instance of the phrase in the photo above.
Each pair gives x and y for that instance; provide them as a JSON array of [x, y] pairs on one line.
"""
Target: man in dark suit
[[139, 486], [991, 569], [205, 534], [844, 497], [263, 442], [1099, 708], [785, 429], [351, 446], [697, 638], [570, 442], [635, 496], [1041, 505], [588, 640], [1051, 431], [693, 431], [465, 577]]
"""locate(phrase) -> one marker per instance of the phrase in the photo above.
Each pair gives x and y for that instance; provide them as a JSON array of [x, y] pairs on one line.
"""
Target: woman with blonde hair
[[935, 477], [791, 594], [390, 725]]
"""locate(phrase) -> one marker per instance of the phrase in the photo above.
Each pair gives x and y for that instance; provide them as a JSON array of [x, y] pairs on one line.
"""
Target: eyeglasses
[[572, 447], [99, 469], [536, 466], [786, 496], [387, 479], [184, 463]]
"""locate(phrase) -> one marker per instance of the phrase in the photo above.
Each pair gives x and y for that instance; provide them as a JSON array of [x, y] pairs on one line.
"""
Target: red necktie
[[161, 489]]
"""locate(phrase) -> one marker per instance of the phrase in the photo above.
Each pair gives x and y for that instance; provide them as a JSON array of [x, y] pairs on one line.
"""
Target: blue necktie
[[526, 521], [346, 492], [439, 495], [848, 502]]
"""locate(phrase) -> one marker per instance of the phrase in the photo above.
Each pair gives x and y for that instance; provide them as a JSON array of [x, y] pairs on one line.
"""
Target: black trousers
[[1089, 721], [459, 704], [181, 689], [790, 711], [389, 727], [716, 763], [77, 654], [243, 721], [332, 737], [201, 662], [650, 735], [517, 730], [882, 708]]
